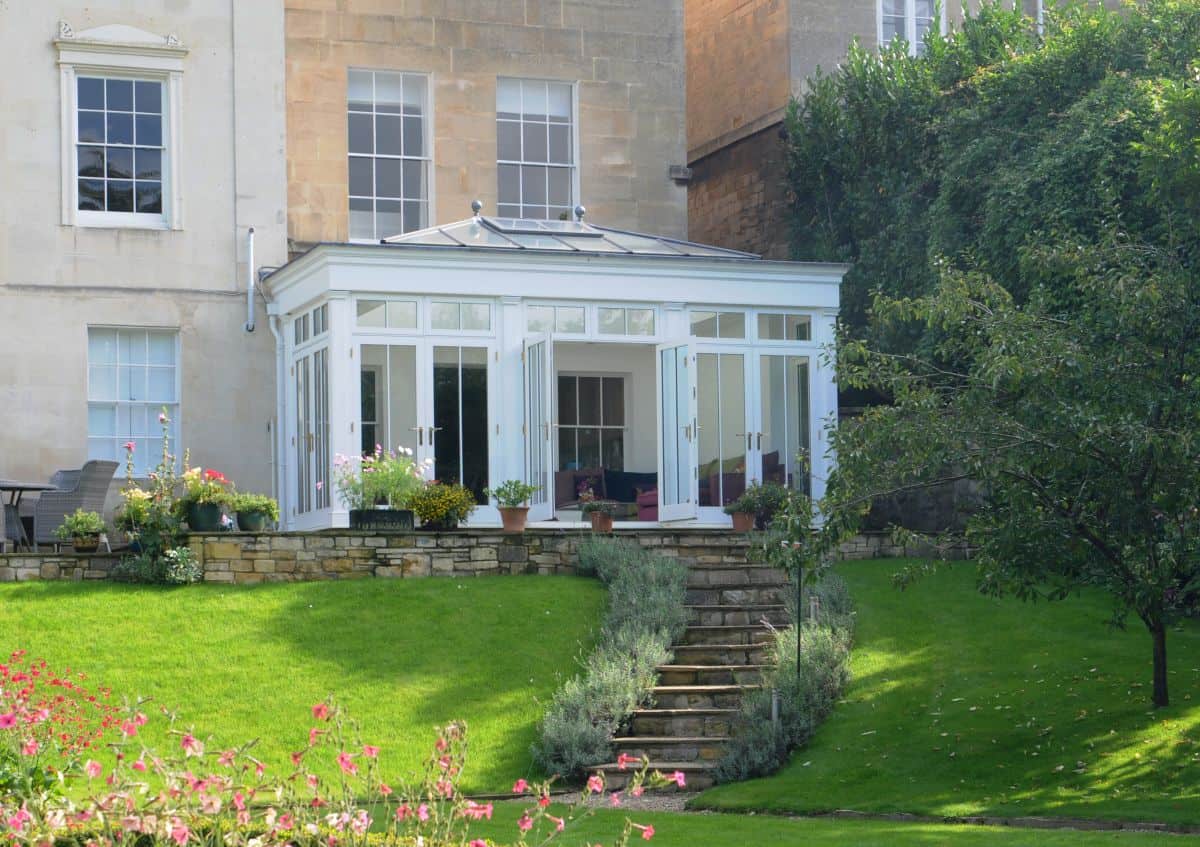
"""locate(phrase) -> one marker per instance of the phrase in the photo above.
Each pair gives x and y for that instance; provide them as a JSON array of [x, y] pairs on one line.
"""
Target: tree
[[1082, 428]]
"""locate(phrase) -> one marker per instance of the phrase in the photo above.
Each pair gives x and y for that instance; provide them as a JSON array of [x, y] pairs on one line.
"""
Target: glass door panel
[[676, 433], [388, 418], [783, 440], [539, 370], [460, 417], [721, 415]]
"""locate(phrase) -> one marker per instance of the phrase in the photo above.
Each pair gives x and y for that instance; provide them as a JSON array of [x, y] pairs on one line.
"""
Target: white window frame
[[142, 463], [119, 52], [910, 23], [627, 307], [554, 330], [749, 318], [573, 124], [624, 428], [426, 143]]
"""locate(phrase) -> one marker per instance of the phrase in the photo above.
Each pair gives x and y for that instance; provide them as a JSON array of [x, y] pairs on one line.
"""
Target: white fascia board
[[383, 270]]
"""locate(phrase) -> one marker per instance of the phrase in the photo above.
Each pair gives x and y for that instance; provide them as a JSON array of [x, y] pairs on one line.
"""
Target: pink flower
[[525, 823], [478, 811], [320, 485], [637, 791], [226, 758], [129, 446], [520, 786], [679, 778], [595, 784], [403, 812], [129, 728], [558, 823], [29, 748], [139, 765], [614, 799], [423, 812], [313, 735], [320, 712], [625, 759], [179, 832], [140, 719], [346, 763], [370, 752], [162, 417], [477, 842], [544, 800], [190, 745], [385, 789], [647, 832], [286, 821], [8, 721], [297, 758], [92, 769]]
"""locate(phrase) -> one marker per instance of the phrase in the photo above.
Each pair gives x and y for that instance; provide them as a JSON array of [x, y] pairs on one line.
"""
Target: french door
[[537, 357], [430, 397], [783, 429], [311, 438], [675, 370]]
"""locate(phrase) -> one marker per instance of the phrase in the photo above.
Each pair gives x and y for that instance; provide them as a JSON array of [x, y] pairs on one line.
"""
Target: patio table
[[15, 489]]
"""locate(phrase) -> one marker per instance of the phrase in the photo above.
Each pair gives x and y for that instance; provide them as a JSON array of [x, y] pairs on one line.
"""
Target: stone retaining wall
[[236, 557]]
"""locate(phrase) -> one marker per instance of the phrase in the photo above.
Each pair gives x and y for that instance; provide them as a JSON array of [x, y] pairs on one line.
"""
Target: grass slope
[[963, 704], [693, 830], [402, 655]]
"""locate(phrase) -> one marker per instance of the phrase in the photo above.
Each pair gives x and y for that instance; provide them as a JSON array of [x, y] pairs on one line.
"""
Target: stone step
[[683, 722], [669, 748], [735, 613], [700, 696], [738, 594], [710, 674], [698, 775], [745, 634], [735, 576], [720, 654]]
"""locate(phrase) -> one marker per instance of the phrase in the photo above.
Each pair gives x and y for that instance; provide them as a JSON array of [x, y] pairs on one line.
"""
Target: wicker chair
[[4, 507], [88, 490]]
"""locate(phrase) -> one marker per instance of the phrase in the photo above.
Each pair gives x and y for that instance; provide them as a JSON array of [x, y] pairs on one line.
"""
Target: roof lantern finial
[[476, 207], [580, 211]]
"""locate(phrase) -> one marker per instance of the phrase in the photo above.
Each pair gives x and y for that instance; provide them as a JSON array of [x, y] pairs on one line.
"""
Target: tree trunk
[[1158, 631]]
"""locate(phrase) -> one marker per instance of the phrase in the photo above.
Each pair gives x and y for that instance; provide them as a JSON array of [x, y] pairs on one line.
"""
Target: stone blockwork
[[738, 196], [624, 56]]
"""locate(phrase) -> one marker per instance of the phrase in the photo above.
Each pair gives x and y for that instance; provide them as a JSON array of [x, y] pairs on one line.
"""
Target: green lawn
[[683, 830], [403, 655], [963, 704]]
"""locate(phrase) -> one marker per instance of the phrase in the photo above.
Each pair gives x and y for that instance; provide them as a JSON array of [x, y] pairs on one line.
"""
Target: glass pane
[[120, 128], [798, 327], [162, 348], [560, 144], [362, 176], [400, 390], [893, 7], [533, 185], [149, 197], [508, 98], [361, 134], [90, 92], [132, 383], [402, 314], [102, 346], [641, 322], [148, 163], [589, 447], [91, 162], [539, 318], [389, 219], [444, 316], [91, 195], [120, 163], [510, 184], [362, 218], [533, 142], [132, 347], [476, 316], [559, 101], [414, 180], [798, 387], [475, 421], [567, 401], [102, 420], [923, 8], [371, 313], [671, 434], [120, 196], [161, 385], [568, 459], [770, 327], [708, 408], [102, 383], [389, 91], [560, 186], [119, 95], [732, 325], [358, 90], [414, 136], [91, 127], [569, 319], [387, 135], [704, 324], [614, 401], [387, 178], [508, 141], [414, 215], [149, 130], [612, 445], [415, 87], [148, 97], [612, 321], [893, 28], [589, 400], [733, 427], [104, 449]]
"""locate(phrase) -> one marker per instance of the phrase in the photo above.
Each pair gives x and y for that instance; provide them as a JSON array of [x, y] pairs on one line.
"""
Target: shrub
[[174, 566], [645, 614], [81, 524], [378, 478], [202, 486], [807, 695], [512, 493], [260, 503], [441, 506], [762, 501]]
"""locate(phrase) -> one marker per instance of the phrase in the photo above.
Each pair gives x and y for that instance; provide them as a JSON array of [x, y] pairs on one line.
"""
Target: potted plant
[[83, 530], [743, 510], [512, 495], [601, 513], [253, 511], [205, 496], [441, 506], [377, 488], [757, 506]]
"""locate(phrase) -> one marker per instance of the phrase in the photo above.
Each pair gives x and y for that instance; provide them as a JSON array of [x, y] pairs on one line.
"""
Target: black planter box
[[382, 520]]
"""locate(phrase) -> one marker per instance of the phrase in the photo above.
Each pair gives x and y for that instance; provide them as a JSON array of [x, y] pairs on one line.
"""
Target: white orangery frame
[[497, 268]]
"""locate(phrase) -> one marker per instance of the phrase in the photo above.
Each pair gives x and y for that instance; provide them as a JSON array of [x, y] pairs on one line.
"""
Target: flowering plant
[[81, 524], [203, 485], [382, 477], [441, 506], [204, 795]]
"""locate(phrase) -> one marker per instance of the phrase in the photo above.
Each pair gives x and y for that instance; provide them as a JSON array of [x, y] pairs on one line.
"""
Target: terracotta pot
[[514, 517], [743, 521], [601, 522]]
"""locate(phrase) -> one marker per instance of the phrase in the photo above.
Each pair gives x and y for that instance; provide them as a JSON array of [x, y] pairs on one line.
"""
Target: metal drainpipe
[[250, 280], [279, 460]]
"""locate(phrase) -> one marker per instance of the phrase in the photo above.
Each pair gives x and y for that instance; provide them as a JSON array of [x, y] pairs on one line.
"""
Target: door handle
[[420, 435], [749, 438], [760, 441], [432, 430]]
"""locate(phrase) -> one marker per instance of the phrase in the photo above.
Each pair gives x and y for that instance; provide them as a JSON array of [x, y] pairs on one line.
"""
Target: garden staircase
[[722, 655]]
